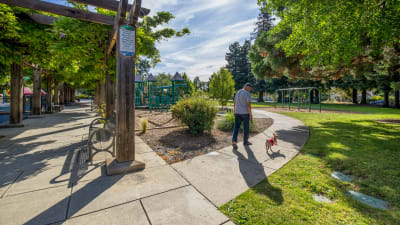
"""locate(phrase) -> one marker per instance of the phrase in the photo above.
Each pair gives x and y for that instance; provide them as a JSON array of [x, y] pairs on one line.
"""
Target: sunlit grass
[[354, 144]]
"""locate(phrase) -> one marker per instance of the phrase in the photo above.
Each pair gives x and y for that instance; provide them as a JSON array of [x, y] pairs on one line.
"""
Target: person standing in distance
[[242, 110]]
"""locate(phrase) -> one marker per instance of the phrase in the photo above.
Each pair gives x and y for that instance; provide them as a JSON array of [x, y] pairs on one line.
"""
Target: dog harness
[[271, 141]]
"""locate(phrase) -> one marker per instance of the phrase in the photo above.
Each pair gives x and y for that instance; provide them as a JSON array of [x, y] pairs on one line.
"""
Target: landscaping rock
[[368, 200], [342, 177], [321, 199]]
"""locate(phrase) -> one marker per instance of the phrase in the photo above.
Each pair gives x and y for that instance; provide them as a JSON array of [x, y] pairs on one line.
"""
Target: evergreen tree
[[197, 83], [239, 64], [143, 68], [264, 24], [191, 86]]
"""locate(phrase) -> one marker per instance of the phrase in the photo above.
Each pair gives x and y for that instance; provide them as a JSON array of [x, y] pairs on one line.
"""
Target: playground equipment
[[147, 95], [302, 98]]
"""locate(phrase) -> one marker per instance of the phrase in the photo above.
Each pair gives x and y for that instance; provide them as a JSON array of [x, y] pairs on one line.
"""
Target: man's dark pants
[[239, 118]]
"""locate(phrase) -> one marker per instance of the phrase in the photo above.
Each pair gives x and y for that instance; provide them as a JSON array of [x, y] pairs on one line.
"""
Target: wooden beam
[[111, 5], [134, 13], [42, 19], [61, 10], [119, 18]]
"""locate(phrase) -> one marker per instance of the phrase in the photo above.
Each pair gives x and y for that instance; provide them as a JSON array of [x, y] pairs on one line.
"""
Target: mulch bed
[[176, 144]]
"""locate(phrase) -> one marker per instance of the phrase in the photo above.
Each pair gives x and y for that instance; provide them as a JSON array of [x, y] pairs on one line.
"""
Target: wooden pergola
[[124, 27]]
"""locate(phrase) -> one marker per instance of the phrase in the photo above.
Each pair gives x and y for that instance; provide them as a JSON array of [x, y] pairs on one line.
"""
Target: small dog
[[271, 142]]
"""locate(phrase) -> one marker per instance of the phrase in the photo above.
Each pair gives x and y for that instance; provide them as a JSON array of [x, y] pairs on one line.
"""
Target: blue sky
[[214, 25]]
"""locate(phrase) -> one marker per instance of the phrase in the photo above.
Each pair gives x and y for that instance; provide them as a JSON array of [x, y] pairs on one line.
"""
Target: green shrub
[[144, 122], [196, 112], [376, 98], [82, 96], [228, 123]]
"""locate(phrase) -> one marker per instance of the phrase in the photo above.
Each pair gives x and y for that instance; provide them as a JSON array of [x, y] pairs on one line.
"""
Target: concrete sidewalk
[[42, 183]]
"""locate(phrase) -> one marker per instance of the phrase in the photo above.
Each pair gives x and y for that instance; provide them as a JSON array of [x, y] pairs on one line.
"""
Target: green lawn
[[337, 107], [352, 143]]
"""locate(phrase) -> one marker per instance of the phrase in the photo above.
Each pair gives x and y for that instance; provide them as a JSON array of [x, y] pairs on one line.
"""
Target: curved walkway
[[221, 176], [39, 166]]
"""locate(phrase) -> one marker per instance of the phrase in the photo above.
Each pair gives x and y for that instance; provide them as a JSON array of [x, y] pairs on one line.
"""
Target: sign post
[[125, 104]]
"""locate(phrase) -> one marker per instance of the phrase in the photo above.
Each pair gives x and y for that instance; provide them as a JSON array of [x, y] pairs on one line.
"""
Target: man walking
[[242, 110]]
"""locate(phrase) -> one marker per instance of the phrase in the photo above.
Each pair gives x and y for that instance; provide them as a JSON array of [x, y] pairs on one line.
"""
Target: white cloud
[[214, 25]]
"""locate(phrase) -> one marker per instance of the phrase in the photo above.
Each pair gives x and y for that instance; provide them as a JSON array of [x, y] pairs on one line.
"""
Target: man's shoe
[[234, 144], [247, 143]]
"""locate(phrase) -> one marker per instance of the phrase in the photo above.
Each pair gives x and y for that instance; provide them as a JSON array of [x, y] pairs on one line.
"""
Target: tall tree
[[163, 79], [190, 83], [239, 64], [222, 86], [265, 22], [197, 83], [143, 68]]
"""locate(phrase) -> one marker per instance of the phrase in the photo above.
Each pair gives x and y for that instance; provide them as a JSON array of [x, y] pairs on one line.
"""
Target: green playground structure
[[147, 95], [300, 98]]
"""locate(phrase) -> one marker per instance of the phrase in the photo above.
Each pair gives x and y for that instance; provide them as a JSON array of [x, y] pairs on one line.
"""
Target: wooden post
[[56, 93], [66, 94], [17, 92], [62, 93], [103, 93], [125, 104], [109, 91], [125, 142], [37, 92], [48, 94], [73, 96]]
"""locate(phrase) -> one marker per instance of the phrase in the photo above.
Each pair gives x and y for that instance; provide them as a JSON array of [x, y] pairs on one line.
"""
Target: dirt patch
[[177, 144], [156, 119], [390, 121]]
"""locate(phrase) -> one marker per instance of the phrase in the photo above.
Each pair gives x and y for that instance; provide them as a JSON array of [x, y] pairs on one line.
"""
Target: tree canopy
[[222, 86], [332, 33], [74, 50]]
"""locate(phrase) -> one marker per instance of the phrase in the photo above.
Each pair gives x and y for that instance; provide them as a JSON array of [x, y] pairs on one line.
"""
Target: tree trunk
[[49, 108], [316, 92], [103, 93], [397, 98], [73, 95], [17, 92], [97, 95], [355, 96], [386, 99], [260, 96], [37, 92], [364, 97], [66, 94], [56, 93], [62, 100]]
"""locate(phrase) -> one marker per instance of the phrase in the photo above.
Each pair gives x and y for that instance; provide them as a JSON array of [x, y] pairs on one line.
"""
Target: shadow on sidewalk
[[255, 173]]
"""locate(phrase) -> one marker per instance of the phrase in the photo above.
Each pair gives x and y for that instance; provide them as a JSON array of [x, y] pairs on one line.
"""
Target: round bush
[[196, 112], [228, 123]]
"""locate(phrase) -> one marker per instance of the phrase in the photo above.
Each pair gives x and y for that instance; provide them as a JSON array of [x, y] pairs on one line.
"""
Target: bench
[[58, 108], [101, 137]]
